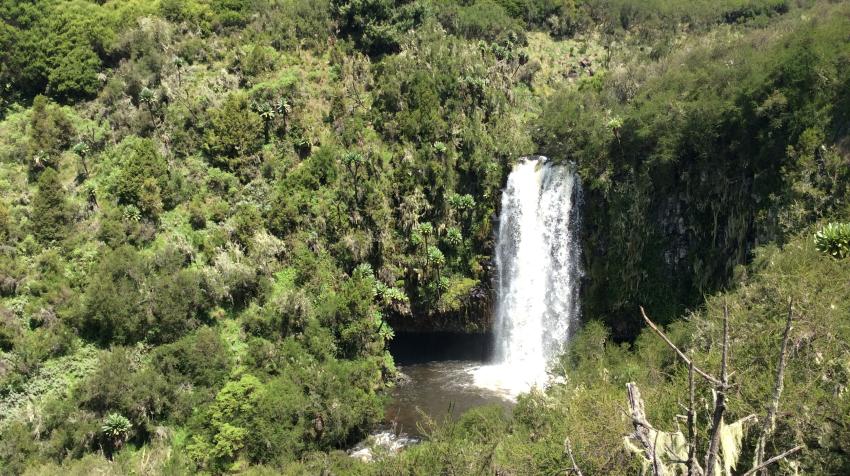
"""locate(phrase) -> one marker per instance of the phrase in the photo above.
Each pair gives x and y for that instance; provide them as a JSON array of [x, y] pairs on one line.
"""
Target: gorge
[[242, 236]]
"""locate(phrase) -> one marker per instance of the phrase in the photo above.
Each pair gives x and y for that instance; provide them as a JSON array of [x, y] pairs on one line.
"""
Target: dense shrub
[[113, 305], [369, 23], [483, 19], [126, 301], [50, 133], [142, 177], [235, 135], [200, 358], [291, 23], [120, 384]]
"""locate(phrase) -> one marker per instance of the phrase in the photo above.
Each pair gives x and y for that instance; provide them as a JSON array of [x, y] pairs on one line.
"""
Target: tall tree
[[49, 208]]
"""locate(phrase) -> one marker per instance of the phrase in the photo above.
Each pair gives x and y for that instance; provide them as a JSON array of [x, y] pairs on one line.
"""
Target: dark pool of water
[[439, 382], [437, 390]]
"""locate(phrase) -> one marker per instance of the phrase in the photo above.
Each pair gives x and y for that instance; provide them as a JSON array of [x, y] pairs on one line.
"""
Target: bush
[[114, 308], [246, 222], [120, 384], [50, 133], [231, 13], [227, 424], [484, 19], [16, 448], [179, 304], [229, 278], [352, 313], [290, 23], [5, 224], [279, 433], [375, 25], [125, 301], [76, 74], [200, 359]]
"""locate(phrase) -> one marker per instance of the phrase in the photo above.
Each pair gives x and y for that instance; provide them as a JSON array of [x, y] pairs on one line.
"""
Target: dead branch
[[693, 466], [720, 401], [642, 427], [681, 354], [773, 460], [569, 448], [721, 387], [773, 406]]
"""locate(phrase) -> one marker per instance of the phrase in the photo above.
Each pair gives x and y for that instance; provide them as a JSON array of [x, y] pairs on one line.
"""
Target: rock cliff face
[[665, 238], [475, 317]]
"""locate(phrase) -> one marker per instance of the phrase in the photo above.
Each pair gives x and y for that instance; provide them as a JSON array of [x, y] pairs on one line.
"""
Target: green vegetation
[[834, 240], [215, 214], [734, 139], [588, 406]]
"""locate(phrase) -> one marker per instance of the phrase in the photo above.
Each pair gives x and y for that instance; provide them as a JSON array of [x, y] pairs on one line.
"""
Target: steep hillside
[[214, 214]]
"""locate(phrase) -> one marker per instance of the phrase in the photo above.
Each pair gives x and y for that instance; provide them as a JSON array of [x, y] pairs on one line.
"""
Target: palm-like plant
[[834, 240], [284, 109], [116, 428], [267, 114], [149, 98]]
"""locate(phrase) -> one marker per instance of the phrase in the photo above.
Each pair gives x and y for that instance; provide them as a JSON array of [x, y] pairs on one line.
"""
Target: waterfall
[[537, 262]]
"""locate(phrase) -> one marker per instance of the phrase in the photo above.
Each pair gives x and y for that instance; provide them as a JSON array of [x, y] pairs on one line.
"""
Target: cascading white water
[[537, 260]]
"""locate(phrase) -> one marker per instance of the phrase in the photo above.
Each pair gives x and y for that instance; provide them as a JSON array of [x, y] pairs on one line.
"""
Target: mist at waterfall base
[[536, 285]]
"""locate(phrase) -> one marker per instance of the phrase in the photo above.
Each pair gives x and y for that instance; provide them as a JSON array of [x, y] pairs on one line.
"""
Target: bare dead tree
[[569, 448], [773, 407], [693, 466], [720, 401], [721, 387], [642, 427]]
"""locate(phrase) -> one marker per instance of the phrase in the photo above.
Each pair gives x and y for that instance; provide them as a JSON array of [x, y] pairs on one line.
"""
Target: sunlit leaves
[[834, 240]]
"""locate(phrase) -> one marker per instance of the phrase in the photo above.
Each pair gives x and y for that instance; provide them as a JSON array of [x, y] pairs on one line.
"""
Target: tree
[[126, 301], [235, 134], [143, 178], [369, 23], [49, 133], [114, 309], [356, 165], [229, 419], [75, 74], [49, 209]]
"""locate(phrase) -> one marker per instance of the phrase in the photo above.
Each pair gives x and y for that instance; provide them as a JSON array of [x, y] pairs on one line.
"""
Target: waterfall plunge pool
[[438, 384], [440, 379]]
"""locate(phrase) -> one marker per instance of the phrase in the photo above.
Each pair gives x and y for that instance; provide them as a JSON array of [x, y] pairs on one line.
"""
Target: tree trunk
[[711, 459]]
